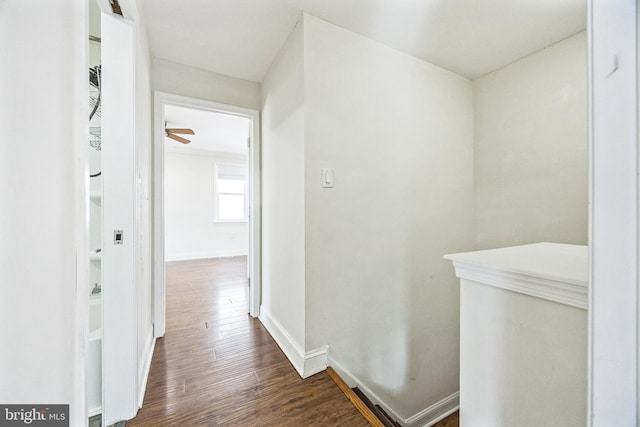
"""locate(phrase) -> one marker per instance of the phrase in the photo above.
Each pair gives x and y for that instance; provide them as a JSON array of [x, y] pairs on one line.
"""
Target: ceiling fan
[[171, 133]]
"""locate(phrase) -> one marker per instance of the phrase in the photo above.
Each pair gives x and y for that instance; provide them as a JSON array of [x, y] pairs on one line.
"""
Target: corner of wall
[[424, 418], [306, 364]]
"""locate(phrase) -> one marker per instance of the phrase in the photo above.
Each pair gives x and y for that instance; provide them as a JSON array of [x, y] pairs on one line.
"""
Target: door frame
[[161, 99], [614, 213]]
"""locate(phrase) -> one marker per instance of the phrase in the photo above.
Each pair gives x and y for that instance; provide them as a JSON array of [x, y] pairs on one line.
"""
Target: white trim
[[77, 13], [305, 364], [590, 105], [255, 216], [159, 307], [424, 418], [572, 294], [315, 361], [159, 285], [614, 218], [233, 157], [288, 346], [150, 347], [185, 256], [312, 362], [444, 407]]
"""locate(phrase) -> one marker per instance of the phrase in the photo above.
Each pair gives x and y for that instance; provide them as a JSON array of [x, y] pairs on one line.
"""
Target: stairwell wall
[[398, 133], [359, 267], [531, 149]]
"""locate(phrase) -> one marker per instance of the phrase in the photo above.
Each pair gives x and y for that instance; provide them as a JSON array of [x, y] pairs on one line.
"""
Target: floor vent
[[374, 414], [380, 413]]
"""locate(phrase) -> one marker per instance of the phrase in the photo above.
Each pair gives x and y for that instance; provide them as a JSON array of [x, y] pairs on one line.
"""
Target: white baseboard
[[306, 364], [143, 376], [315, 361], [424, 418], [436, 412], [185, 256]]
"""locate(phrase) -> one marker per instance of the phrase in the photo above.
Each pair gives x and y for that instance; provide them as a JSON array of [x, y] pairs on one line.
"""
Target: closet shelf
[[96, 196], [95, 256]]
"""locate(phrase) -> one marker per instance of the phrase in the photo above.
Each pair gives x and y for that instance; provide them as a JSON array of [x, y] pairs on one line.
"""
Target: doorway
[[224, 165]]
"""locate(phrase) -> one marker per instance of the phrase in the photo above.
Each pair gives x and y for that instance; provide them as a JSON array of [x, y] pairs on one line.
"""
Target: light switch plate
[[327, 178], [118, 236]]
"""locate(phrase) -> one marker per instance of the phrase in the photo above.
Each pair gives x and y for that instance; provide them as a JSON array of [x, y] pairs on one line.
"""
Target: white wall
[[531, 150], [359, 267], [398, 134], [283, 190], [197, 83], [189, 228], [44, 199]]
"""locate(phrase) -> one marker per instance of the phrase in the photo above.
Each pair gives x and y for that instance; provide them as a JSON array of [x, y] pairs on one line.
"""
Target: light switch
[[327, 178], [118, 236]]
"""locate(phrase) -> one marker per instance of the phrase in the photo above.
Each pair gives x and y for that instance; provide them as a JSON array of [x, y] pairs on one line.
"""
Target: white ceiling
[[219, 132], [240, 38]]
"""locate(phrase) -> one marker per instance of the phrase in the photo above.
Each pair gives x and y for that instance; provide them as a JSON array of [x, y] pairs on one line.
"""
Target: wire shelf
[[95, 138]]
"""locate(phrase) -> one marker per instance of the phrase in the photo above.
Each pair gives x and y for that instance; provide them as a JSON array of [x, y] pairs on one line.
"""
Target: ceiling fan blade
[[177, 138], [181, 131]]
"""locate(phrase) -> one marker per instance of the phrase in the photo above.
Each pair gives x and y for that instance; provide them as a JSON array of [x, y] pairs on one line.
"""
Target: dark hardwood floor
[[452, 420], [218, 366]]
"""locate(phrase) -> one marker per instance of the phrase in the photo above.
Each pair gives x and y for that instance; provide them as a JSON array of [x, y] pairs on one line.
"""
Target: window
[[230, 192]]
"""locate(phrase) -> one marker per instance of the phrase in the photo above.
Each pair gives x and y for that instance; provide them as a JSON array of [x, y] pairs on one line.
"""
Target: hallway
[[218, 366]]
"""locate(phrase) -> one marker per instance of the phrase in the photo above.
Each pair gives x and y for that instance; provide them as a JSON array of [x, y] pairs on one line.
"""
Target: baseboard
[[144, 374], [306, 364], [436, 412], [424, 418], [315, 361], [202, 255], [310, 363]]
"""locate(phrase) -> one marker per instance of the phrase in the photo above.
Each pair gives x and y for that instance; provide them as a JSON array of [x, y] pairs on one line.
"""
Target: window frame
[[216, 193]]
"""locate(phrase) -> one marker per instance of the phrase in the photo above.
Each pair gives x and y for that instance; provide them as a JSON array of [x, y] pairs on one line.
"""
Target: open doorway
[[206, 184], [207, 197]]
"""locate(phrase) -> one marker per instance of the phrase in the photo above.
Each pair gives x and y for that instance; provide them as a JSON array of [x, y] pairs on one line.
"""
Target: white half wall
[[190, 231], [531, 149], [44, 241], [283, 190]]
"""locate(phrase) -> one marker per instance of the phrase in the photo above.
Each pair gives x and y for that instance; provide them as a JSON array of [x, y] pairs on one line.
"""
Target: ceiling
[[240, 38], [219, 132]]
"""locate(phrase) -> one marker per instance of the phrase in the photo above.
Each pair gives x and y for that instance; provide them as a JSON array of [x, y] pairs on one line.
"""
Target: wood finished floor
[[218, 366], [452, 420]]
